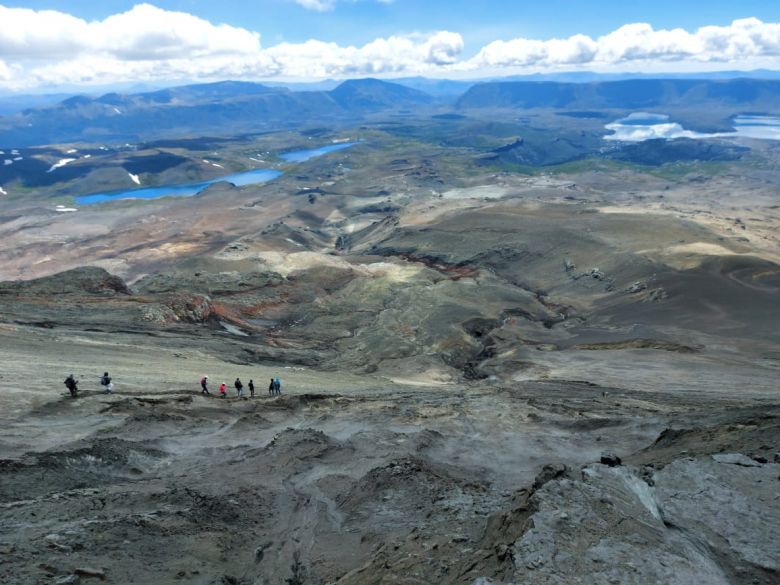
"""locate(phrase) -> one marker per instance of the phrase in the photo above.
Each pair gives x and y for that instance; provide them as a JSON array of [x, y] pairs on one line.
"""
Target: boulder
[[735, 459], [610, 459], [550, 472]]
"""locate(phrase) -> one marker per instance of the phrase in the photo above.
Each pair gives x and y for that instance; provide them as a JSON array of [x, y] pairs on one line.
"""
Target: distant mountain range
[[228, 107], [627, 94], [233, 107]]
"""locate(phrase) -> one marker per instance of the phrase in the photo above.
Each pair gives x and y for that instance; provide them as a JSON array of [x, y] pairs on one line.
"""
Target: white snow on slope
[[135, 178], [3, 191], [63, 209], [61, 163]]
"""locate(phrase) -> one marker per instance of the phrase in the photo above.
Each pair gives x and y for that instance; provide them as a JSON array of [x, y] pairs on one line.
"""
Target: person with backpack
[[223, 390], [204, 386], [251, 388], [105, 381], [72, 385], [271, 387], [239, 388], [277, 386]]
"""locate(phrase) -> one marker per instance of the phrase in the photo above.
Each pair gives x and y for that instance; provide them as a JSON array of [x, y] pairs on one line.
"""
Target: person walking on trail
[[204, 386], [72, 385], [223, 390], [251, 388], [239, 388], [271, 387], [277, 386], [105, 381]]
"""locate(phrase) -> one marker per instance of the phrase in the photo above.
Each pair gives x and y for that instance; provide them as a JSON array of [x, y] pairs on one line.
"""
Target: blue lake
[[642, 126], [252, 177], [304, 155]]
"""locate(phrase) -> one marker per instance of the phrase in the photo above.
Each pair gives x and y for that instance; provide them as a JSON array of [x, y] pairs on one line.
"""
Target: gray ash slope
[[358, 480], [495, 485], [459, 352]]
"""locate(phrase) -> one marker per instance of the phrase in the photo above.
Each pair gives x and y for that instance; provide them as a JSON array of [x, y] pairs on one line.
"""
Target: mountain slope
[[218, 108], [370, 94], [628, 94]]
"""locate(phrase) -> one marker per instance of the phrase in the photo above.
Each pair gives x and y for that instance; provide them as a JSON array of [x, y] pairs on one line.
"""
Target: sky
[[45, 44]]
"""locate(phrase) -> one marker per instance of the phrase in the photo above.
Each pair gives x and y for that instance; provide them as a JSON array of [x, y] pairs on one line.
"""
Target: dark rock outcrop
[[87, 280]]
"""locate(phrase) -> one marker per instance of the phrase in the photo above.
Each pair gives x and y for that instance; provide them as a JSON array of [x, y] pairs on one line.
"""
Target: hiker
[[204, 386], [271, 387], [251, 388], [105, 381], [223, 390], [277, 386], [72, 385], [239, 388]]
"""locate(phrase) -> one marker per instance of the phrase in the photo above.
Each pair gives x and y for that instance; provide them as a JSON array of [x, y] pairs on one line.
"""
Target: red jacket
[[222, 388]]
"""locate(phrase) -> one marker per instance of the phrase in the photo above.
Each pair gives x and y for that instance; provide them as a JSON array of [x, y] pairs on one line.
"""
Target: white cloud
[[143, 32], [741, 41], [318, 5], [325, 5], [316, 59], [5, 72], [48, 48]]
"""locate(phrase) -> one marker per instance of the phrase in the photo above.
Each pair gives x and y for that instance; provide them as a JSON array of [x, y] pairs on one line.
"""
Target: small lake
[[304, 155], [253, 177], [642, 126]]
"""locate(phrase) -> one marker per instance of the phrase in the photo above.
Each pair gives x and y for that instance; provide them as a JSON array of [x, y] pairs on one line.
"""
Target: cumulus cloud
[[740, 41], [146, 43], [143, 32], [395, 54], [48, 48]]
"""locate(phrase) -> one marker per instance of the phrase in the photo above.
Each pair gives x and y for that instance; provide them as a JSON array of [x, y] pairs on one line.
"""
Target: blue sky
[[45, 44], [479, 22]]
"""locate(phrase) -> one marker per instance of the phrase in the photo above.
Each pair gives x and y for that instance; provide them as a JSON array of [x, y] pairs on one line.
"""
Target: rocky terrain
[[489, 377]]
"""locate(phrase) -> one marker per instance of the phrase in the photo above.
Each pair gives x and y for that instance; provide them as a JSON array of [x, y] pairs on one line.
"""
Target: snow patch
[[18, 158], [117, 110], [71, 151], [61, 163], [7, 162], [3, 191], [134, 178], [217, 165], [87, 156], [63, 209]]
